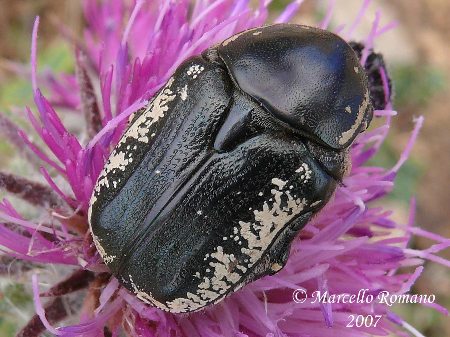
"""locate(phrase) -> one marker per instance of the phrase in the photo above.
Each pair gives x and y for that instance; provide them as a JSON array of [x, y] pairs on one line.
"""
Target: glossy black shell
[[212, 181]]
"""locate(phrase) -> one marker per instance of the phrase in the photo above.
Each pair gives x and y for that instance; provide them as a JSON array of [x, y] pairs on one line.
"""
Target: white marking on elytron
[[241, 268], [291, 187], [183, 93], [199, 212], [92, 200], [157, 172], [306, 172], [224, 238], [155, 110], [145, 297], [348, 109], [276, 267], [346, 135], [107, 258], [269, 220], [139, 131], [211, 288], [278, 182], [356, 69], [195, 70], [260, 194], [118, 161], [238, 193], [315, 203]]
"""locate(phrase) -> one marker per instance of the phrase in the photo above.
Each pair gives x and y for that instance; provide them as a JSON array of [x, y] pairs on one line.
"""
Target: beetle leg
[[377, 74]]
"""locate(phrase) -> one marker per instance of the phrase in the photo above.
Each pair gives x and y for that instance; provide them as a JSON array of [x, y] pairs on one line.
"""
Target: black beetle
[[212, 181], [374, 66]]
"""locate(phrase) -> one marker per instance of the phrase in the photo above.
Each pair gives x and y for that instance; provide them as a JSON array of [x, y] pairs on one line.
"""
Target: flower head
[[128, 52]]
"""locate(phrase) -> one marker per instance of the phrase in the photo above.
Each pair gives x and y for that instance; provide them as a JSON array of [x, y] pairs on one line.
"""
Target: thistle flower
[[128, 52]]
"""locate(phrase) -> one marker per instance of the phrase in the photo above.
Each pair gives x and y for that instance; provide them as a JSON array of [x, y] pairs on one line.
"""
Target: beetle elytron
[[214, 178]]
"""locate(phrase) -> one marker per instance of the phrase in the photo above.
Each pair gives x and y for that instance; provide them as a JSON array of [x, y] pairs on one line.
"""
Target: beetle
[[211, 182], [377, 75]]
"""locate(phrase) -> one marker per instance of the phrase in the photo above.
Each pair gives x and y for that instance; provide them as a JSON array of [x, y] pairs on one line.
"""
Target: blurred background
[[417, 53]]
